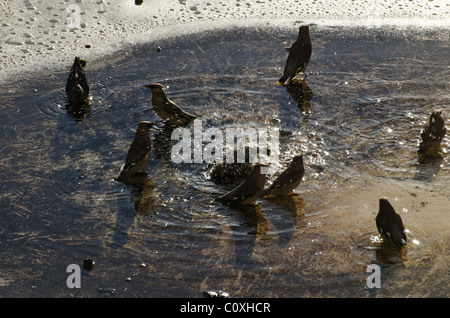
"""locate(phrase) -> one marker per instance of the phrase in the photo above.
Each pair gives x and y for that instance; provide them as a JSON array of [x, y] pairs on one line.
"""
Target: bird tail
[[79, 63], [282, 80], [121, 175], [189, 116]]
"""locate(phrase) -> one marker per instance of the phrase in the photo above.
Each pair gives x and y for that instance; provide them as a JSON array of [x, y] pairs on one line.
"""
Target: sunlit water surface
[[356, 120]]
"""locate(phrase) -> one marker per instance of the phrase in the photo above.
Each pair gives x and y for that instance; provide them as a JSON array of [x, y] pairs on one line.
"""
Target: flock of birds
[[388, 221]]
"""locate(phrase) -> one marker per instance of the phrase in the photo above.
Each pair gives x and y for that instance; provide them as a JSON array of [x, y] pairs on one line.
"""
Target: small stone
[[88, 264]]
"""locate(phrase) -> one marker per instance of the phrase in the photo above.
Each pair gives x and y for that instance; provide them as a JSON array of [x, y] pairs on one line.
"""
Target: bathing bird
[[167, 109], [225, 172], [289, 179], [298, 57], [232, 171], [390, 224], [432, 133], [77, 87], [139, 152], [248, 191]]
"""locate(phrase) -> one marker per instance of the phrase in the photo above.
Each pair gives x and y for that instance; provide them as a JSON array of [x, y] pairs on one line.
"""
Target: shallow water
[[357, 122]]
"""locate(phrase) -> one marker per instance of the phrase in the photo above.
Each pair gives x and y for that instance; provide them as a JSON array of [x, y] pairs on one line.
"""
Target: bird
[[289, 179], [298, 57], [232, 171], [167, 109], [248, 191], [138, 154], [77, 87], [390, 224], [432, 133]]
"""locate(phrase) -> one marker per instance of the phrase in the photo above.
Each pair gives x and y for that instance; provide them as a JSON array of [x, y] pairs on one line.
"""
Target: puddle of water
[[357, 123]]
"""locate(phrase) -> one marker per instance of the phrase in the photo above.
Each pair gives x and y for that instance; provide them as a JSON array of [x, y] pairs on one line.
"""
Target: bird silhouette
[[298, 57], [289, 179], [138, 154], [390, 224], [432, 133], [167, 109], [77, 87], [248, 191]]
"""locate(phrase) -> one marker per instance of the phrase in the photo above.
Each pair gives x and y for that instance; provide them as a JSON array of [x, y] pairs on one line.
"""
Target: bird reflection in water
[[430, 138], [143, 195], [290, 210], [301, 93], [79, 111], [257, 223], [387, 253], [162, 142]]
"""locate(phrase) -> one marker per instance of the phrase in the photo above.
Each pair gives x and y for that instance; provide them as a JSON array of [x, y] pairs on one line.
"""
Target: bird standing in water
[[289, 179], [298, 58], [167, 109], [138, 154], [390, 224], [432, 133], [77, 87], [248, 191]]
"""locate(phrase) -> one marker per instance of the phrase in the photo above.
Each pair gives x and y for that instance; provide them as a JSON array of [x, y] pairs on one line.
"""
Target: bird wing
[[167, 109], [242, 191], [138, 151], [290, 176], [162, 110], [398, 220], [180, 112]]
